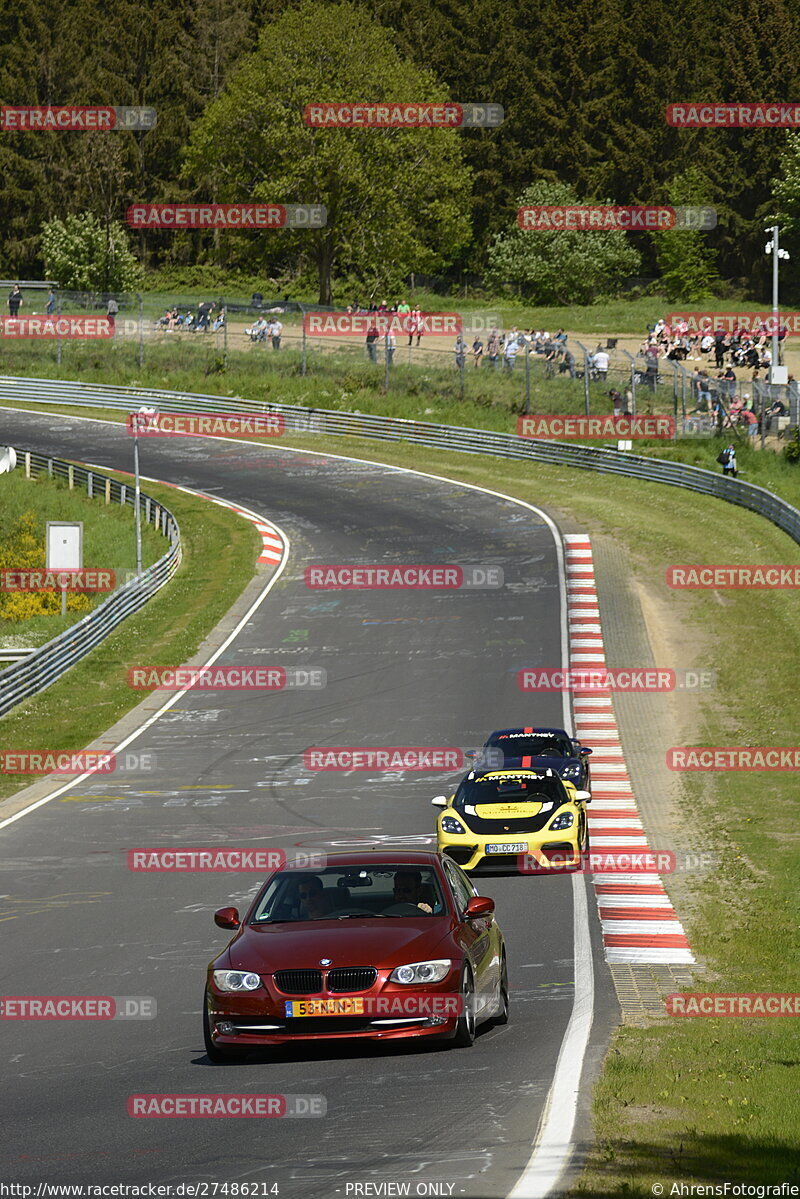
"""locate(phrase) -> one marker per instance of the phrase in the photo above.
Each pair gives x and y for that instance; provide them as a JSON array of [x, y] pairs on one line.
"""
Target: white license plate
[[507, 847]]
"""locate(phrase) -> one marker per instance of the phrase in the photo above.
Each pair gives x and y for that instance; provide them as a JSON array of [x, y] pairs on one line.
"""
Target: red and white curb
[[638, 921], [273, 545]]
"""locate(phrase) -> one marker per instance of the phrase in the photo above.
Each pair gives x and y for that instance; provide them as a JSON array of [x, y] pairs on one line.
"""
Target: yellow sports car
[[530, 820]]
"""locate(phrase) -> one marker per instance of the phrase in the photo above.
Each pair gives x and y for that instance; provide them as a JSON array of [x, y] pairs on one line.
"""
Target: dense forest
[[583, 86]]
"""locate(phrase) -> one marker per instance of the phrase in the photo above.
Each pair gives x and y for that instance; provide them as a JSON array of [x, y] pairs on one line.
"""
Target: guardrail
[[47, 664], [299, 419]]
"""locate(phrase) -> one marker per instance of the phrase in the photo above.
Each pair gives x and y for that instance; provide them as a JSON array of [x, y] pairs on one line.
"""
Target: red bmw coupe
[[376, 945]]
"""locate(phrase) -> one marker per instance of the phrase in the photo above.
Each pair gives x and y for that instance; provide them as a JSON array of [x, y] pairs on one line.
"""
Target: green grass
[[171, 625], [109, 542]]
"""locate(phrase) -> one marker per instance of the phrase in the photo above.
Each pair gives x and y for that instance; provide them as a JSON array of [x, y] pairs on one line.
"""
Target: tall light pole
[[146, 414], [777, 374]]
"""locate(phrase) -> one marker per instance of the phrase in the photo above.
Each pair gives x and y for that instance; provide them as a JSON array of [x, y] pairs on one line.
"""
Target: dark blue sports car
[[536, 749]]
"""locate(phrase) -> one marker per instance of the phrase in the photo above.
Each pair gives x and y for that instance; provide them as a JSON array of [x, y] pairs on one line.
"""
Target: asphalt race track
[[416, 668]]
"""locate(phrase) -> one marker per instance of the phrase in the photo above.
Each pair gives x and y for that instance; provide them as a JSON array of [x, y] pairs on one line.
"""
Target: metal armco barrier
[[42, 668], [462, 440]]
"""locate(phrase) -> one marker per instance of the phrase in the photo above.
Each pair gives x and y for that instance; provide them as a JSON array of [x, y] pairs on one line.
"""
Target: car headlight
[[572, 772], [451, 825], [565, 820], [236, 980], [421, 972]]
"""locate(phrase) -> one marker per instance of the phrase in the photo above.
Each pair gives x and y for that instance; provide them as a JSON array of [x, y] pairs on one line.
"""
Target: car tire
[[214, 1053], [465, 1028], [502, 1015]]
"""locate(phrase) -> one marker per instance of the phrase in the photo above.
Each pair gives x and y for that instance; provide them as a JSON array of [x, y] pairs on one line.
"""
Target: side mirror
[[586, 752], [227, 918], [584, 795], [439, 801], [479, 905]]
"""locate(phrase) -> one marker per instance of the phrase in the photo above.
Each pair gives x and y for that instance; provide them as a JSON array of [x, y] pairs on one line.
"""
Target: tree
[[397, 199], [564, 266], [685, 260], [84, 254]]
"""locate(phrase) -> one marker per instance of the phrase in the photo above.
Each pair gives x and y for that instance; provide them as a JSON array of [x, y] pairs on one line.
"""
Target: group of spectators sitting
[[741, 347], [266, 330], [198, 322]]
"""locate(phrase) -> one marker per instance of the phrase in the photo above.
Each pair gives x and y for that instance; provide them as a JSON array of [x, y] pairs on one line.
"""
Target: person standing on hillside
[[14, 300]]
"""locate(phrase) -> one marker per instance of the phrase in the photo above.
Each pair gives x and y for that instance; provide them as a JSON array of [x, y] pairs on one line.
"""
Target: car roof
[[530, 729], [377, 854]]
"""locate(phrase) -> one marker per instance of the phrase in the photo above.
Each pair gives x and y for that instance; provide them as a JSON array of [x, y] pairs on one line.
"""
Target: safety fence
[[327, 422], [38, 670]]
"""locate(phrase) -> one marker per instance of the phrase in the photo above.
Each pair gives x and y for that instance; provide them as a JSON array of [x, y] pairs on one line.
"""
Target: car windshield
[[518, 745], [340, 893], [509, 789]]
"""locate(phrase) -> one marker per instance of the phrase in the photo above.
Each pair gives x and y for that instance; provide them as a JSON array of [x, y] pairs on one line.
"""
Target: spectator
[[728, 382], [616, 399], [372, 337], [601, 360], [51, 303], [510, 354], [477, 350], [112, 308], [748, 418], [219, 322], [14, 300], [720, 347], [391, 345], [493, 349], [727, 460], [204, 311], [703, 385], [567, 365], [460, 351], [275, 333], [419, 324], [560, 337], [258, 331]]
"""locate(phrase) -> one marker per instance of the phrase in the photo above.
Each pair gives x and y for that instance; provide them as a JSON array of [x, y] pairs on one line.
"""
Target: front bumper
[[259, 1017], [544, 853]]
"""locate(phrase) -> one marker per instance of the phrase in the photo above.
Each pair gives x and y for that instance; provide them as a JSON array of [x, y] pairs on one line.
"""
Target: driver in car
[[407, 889], [313, 904]]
